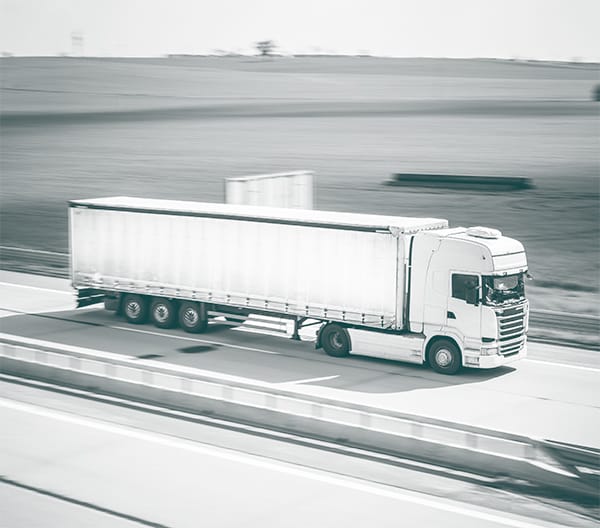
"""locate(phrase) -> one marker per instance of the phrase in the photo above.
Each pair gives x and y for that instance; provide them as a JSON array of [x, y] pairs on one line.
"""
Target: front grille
[[511, 326]]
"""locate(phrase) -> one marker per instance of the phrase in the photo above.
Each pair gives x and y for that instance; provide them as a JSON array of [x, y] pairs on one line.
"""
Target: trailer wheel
[[163, 313], [335, 340], [135, 308], [444, 357], [193, 317]]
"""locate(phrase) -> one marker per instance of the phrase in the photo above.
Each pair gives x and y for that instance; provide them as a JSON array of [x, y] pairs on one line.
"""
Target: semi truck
[[399, 288]]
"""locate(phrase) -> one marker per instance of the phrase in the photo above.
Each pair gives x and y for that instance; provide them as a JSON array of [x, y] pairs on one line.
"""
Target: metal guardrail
[[485, 452], [56, 264], [581, 461]]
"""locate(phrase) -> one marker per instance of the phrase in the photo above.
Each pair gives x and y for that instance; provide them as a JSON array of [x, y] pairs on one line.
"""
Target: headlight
[[489, 351]]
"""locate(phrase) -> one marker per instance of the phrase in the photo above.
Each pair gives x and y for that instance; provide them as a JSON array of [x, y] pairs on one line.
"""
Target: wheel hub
[[443, 357], [161, 313], [133, 309], [336, 340], [190, 317]]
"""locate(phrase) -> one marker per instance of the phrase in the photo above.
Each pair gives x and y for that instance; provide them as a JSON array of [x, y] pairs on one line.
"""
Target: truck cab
[[468, 296]]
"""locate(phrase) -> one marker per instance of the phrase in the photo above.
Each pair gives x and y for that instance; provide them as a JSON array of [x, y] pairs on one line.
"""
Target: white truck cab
[[473, 295]]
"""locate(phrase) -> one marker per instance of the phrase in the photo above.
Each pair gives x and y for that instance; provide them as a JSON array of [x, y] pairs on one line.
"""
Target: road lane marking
[[37, 288], [205, 341], [562, 365], [49, 313], [310, 380], [277, 466], [83, 504]]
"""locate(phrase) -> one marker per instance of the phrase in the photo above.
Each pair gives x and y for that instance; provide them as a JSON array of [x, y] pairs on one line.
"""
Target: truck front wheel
[[163, 313], [335, 340], [193, 317], [444, 357], [135, 308]]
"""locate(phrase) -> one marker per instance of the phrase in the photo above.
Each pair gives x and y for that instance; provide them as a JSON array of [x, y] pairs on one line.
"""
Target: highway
[[552, 394], [72, 462]]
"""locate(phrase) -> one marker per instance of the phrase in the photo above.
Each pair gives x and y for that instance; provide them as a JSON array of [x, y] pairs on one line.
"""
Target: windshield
[[503, 290]]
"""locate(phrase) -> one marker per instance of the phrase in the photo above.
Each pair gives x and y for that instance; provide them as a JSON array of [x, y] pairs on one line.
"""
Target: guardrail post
[[417, 430], [471, 440], [316, 410], [531, 452], [147, 377], [270, 401], [9, 350], [75, 363], [186, 385], [365, 420]]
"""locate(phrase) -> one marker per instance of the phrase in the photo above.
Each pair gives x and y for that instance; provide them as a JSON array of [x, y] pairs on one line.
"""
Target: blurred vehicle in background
[[282, 189]]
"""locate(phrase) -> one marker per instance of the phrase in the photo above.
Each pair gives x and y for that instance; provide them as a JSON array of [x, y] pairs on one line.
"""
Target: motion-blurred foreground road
[[552, 394], [69, 462]]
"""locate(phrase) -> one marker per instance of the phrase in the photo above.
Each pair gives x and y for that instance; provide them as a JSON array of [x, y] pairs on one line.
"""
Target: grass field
[[175, 128]]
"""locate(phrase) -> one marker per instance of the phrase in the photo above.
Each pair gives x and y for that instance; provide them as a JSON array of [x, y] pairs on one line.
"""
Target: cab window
[[462, 284]]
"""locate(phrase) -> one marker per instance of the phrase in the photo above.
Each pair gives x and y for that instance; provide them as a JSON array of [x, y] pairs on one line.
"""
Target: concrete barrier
[[456, 446]]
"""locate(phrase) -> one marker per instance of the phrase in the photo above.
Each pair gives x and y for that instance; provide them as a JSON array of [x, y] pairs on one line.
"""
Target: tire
[[193, 317], [444, 357], [335, 340], [135, 308], [163, 313]]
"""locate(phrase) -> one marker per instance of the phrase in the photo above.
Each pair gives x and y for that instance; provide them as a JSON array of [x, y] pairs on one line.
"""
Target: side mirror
[[472, 295]]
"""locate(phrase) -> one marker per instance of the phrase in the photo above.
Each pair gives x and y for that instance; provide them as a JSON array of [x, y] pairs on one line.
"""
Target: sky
[[513, 29]]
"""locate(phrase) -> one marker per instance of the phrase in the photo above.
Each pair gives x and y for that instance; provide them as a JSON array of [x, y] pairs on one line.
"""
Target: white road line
[[54, 310], [280, 467], [37, 288], [562, 365], [205, 341], [310, 380]]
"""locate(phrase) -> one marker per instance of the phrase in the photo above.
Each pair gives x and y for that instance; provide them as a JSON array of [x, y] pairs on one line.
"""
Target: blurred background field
[[176, 127]]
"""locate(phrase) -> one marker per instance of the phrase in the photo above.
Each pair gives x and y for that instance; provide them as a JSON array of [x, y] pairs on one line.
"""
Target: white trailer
[[282, 189], [402, 288]]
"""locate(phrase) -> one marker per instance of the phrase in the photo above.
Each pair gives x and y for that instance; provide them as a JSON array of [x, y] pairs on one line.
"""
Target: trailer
[[395, 287]]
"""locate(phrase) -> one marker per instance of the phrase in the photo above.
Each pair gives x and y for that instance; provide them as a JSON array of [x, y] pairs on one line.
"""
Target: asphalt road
[[72, 462], [552, 394]]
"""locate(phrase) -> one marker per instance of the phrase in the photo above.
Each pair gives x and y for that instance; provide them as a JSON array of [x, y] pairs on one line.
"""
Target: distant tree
[[596, 93], [265, 47]]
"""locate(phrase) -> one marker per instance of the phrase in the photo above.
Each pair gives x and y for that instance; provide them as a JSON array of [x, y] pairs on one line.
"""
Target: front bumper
[[497, 360]]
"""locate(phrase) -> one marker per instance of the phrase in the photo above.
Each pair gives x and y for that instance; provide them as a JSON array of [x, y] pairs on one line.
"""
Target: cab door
[[464, 308]]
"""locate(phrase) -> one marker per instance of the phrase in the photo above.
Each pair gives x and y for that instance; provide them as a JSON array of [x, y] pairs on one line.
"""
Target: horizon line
[[574, 61]]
